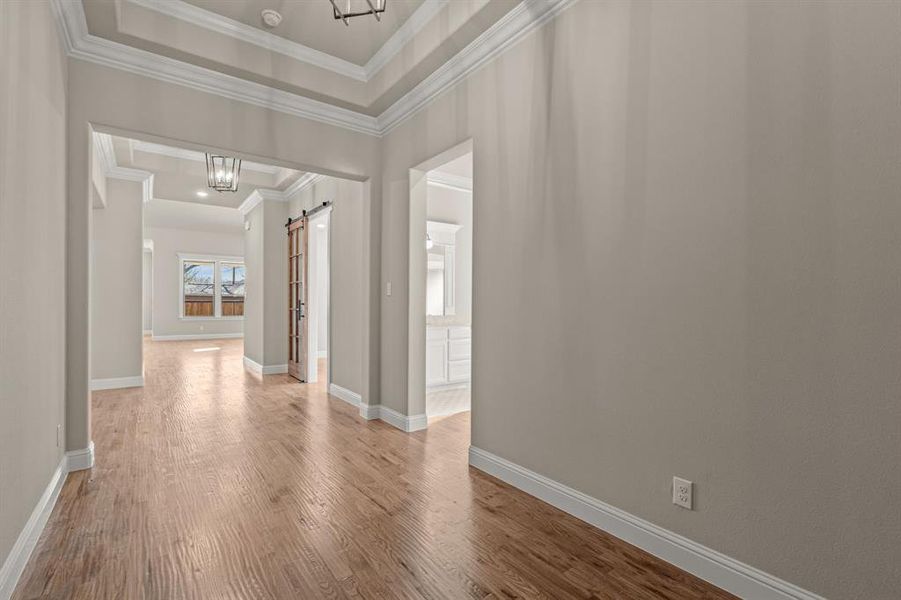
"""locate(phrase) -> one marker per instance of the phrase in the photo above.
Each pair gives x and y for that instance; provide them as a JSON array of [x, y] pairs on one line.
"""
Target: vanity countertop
[[447, 321]]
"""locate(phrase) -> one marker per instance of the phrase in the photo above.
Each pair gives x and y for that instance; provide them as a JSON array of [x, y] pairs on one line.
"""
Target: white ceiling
[[180, 174], [312, 23]]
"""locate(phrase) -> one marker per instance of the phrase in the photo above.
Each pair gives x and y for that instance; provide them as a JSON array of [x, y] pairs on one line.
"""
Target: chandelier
[[222, 172], [358, 8]]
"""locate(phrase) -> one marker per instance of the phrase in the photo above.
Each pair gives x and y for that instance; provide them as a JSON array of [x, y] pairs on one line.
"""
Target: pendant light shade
[[345, 9], [222, 172]]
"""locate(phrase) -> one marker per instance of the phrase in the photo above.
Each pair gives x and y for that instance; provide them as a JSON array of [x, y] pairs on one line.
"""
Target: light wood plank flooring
[[213, 484]]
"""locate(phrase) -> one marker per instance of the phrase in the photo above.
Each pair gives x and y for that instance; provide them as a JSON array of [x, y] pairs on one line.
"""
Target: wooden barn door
[[297, 298]]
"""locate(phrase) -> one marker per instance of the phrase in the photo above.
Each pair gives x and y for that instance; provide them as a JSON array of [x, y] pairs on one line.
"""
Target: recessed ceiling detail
[[489, 31]]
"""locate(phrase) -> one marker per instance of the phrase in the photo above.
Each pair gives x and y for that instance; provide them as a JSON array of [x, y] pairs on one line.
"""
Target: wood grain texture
[[213, 483]]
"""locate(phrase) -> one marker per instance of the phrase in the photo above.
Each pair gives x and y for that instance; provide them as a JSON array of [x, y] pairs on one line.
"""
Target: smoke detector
[[271, 17]]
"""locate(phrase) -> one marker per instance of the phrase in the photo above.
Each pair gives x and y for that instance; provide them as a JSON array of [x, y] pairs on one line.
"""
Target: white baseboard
[[15, 562], [727, 573], [117, 382], [392, 417], [258, 369], [370, 412], [352, 398], [197, 336], [78, 460], [21, 551], [148, 332]]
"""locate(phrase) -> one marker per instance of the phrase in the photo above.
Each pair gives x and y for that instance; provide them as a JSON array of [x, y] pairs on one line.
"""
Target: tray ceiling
[[311, 23]]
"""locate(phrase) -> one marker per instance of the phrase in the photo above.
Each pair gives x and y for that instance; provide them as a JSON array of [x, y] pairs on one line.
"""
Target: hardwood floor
[[213, 484]]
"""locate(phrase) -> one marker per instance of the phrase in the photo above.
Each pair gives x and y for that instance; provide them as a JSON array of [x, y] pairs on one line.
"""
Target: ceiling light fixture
[[202, 194], [222, 172], [358, 8]]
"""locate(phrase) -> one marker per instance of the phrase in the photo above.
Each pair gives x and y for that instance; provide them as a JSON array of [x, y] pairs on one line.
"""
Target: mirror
[[435, 283], [440, 274]]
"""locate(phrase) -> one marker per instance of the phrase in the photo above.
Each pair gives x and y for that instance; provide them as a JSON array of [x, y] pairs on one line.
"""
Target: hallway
[[212, 484]]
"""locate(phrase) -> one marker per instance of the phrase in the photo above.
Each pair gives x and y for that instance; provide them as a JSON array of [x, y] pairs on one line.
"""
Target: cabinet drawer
[[458, 370], [434, 334], [459, 349], [459, 332]]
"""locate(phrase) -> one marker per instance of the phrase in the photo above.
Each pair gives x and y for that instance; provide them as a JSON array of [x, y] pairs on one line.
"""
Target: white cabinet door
[[436, 362]]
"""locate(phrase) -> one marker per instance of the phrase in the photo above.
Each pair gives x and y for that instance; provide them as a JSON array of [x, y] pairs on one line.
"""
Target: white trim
[[148, 245], [79, 460], [322, 354], [352, 398], [525, 17], [723, 571], [260, 194], [251, 202], [19, 554], [302, 183], [104, 144], [196, 156], [195, 15], [197, 336], [148, 332], [211, 21], [450, 181], [370, 412], [116, 383], [258, 369], [400, 38], [145, 178], [392, 417]]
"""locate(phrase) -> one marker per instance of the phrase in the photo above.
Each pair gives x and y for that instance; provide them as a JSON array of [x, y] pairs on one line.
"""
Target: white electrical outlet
[[388, 289], [59, 435], [682, 489]]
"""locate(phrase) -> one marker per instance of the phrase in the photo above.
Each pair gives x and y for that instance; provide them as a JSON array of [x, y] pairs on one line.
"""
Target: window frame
[[217, 260]]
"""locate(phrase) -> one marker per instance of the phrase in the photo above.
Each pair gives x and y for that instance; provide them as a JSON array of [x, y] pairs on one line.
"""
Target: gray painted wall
[[32, 259], [116, 298], [686, 231]]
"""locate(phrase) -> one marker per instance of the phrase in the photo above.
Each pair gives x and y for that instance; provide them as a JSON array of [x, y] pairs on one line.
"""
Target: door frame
[[324, 213]]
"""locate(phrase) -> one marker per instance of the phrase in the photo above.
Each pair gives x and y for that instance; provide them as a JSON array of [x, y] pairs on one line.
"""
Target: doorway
[[318, 296], [309, 269], [441, 263]]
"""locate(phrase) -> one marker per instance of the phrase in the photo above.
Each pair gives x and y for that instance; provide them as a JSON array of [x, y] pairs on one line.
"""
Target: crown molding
[[525, 17], [189, 13], [250, 202], [449, 180], [260, 194], [104, 143], [302, 183], [145, 178], [400, 38], [101, 51]]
